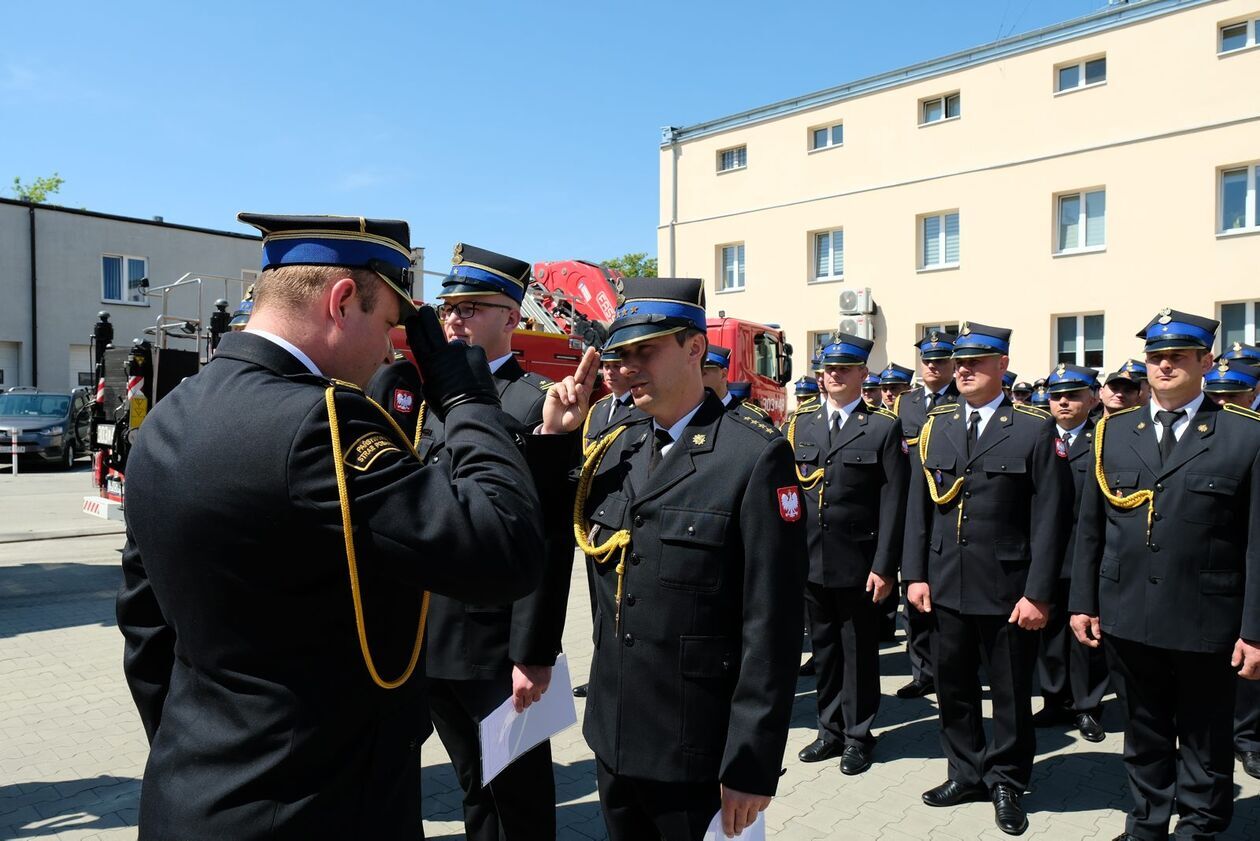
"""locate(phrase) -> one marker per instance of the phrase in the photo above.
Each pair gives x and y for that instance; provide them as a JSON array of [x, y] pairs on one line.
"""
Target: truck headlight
[[52, 430]]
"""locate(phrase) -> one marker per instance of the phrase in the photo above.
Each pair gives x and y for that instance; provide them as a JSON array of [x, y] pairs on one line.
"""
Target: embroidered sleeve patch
[[404, 401], [789, 503], [368, 448]]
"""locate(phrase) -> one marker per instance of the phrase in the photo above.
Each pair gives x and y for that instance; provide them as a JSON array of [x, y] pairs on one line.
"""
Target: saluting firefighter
[[854, 475], [273, 610], [1167, 576], [714, 371], [986, 524], [1073, 677], [936, 367], [693, 521], [480, 654]]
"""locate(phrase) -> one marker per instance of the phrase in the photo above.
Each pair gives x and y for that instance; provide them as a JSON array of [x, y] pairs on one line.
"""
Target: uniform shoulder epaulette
[[1040, 414], [748, 404], [764, 428], [1120, 412], [603, 399], [945, 409], [538, 381], [897, 404], [882, 412], [1241, 410], [348, 386], [805, 408]]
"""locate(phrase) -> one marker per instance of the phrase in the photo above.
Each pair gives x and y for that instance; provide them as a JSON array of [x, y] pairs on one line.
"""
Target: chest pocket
[[999, 465], [806, 452], [690, 548], [1124, 480], [607, 517], [859, 458], [1207, 500]]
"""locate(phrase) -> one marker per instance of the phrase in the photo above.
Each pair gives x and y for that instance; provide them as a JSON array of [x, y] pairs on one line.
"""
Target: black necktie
[[930, 400], [833, 428], [661, 439], [973, 430], [1168, 440], [1067, 441]]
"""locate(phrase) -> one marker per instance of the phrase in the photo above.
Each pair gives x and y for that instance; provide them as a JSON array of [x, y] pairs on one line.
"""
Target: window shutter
[[1069, 221], [822, 254], [951, 238], [1095, 217], [931, 240], [837, 253]]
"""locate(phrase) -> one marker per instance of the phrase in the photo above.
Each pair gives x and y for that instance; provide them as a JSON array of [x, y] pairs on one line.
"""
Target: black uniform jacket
[[241, 645], [396, 388], [1002, 536], [857, 505], [482, 638], [911, 409], [749, 409], [697, 683], [1080, 458], [1196, 585], [600, 419]]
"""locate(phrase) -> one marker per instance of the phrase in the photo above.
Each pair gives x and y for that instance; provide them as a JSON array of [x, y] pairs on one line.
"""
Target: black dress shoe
[[1250, 760], [916, 689], [1051, 716], [950, 793], [579, 691], [856, 759], [1091, 730], [820, 749], [807, 668], [1007, 813]]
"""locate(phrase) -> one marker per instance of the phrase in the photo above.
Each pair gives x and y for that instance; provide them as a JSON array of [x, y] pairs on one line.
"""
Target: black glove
[[454, 373]]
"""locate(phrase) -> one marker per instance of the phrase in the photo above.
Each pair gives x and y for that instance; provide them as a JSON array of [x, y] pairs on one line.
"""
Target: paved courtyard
[[72, 751]]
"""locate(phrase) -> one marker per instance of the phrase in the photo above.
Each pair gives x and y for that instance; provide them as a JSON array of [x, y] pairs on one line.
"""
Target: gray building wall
[[69, 248]]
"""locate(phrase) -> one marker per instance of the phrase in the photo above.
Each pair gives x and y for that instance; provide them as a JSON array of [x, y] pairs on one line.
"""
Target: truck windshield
[[34, 405], [766, 355]]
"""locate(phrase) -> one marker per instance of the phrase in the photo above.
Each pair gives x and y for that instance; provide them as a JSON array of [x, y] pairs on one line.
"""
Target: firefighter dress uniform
[[737, 398], [272, 608], [699, 566]]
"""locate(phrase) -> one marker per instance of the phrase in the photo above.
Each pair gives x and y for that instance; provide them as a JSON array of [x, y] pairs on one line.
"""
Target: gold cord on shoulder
[[939, 498], [807, 481], [347, 530], [1124, 502], [618, 540]]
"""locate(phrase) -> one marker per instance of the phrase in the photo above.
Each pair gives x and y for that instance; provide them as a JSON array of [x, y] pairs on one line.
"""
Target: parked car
[[52, 426]]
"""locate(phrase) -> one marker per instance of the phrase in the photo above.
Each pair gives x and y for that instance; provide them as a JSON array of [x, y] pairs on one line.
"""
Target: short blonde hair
[[288, 287]]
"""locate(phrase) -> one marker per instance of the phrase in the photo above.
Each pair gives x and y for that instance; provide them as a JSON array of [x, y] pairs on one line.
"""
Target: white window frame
[[1251, 211], [722, 152], [830, 128], [1251, 327], [1080, 351], [1253, 35], [741, 282], [920, 222], [1081, 84], [144, 301], [814, 277], [1081, 222], [943, 99], [811, 340], [249, 276]]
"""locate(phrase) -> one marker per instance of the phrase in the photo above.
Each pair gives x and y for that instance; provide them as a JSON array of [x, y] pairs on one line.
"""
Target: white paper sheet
[[506, 734], [755, 832]]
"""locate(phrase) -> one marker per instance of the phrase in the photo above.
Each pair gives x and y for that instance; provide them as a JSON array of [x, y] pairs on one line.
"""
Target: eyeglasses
[[466, 309]]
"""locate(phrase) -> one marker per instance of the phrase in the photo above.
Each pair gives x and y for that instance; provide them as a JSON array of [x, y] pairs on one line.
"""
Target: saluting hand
[[569, 400], [878, 586], [1030, 615], [1246, 659], [740, 809], [1088, 629]]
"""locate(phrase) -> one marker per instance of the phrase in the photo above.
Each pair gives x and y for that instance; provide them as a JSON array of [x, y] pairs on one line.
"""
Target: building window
[[121, 276], [1080, 340], [249, 276], [731, 274], [824, 137], [829, 255], [1082, 221], [938, 241], [729, 159], [1080, 74], [938, 108], [1238, 323], [950, 327], [1240, 198], [819, 339], [1238, 35]]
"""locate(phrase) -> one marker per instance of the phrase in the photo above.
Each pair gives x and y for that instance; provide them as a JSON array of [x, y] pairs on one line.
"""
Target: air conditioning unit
[[857, 301], [862, 326]]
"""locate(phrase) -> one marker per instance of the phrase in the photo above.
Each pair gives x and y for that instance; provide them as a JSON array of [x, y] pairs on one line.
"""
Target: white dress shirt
[[1182, 423], [843, 411], [291, 348], [986, 411], [1075, 433], [677, 429], [496, 364]]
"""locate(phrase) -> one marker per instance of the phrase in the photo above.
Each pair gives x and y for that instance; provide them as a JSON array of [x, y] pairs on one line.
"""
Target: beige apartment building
[[1067, 183]]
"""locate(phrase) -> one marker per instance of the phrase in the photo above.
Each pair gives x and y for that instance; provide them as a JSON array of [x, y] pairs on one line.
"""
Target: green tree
[[634, 264], [38, 190]]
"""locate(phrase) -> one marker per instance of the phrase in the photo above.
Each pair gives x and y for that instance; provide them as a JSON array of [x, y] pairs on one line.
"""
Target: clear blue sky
[[530, 128]]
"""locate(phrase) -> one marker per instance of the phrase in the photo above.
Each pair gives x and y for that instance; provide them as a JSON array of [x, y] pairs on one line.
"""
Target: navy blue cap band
[[964, 345], [843, 353], [1175, 331], [717, 359], [328, 251], [470, 280], [668, 309]]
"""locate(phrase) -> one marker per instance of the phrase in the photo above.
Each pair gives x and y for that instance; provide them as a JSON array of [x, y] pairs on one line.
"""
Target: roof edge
[[75, 211], [1102, 20]]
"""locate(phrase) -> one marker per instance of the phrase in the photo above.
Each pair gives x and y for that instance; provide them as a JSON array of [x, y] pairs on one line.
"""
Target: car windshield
[[34, 405]]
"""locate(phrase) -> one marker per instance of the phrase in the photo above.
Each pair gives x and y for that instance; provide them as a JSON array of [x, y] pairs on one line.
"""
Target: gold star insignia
[[1203, 427], [957, 416], [1141, 425], [1003, 419], [861, 417], [698, 439]]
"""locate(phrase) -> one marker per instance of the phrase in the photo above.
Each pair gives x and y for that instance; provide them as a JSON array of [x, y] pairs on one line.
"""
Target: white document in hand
[[755, 832], [506, 734]]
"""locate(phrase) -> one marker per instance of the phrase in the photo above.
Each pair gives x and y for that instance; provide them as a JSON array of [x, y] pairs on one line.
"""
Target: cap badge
[[458, 256], [934, 337], [1223, 367], [965, 329], [1061, 370], [698, 440], [1165, 315]]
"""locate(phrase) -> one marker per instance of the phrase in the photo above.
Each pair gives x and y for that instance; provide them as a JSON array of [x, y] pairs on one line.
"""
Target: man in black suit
[[987, 519], [850, 465], [936, 368], [1167, 576], [693, 521], [1073, 677], [481, 654], [274, 688]]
